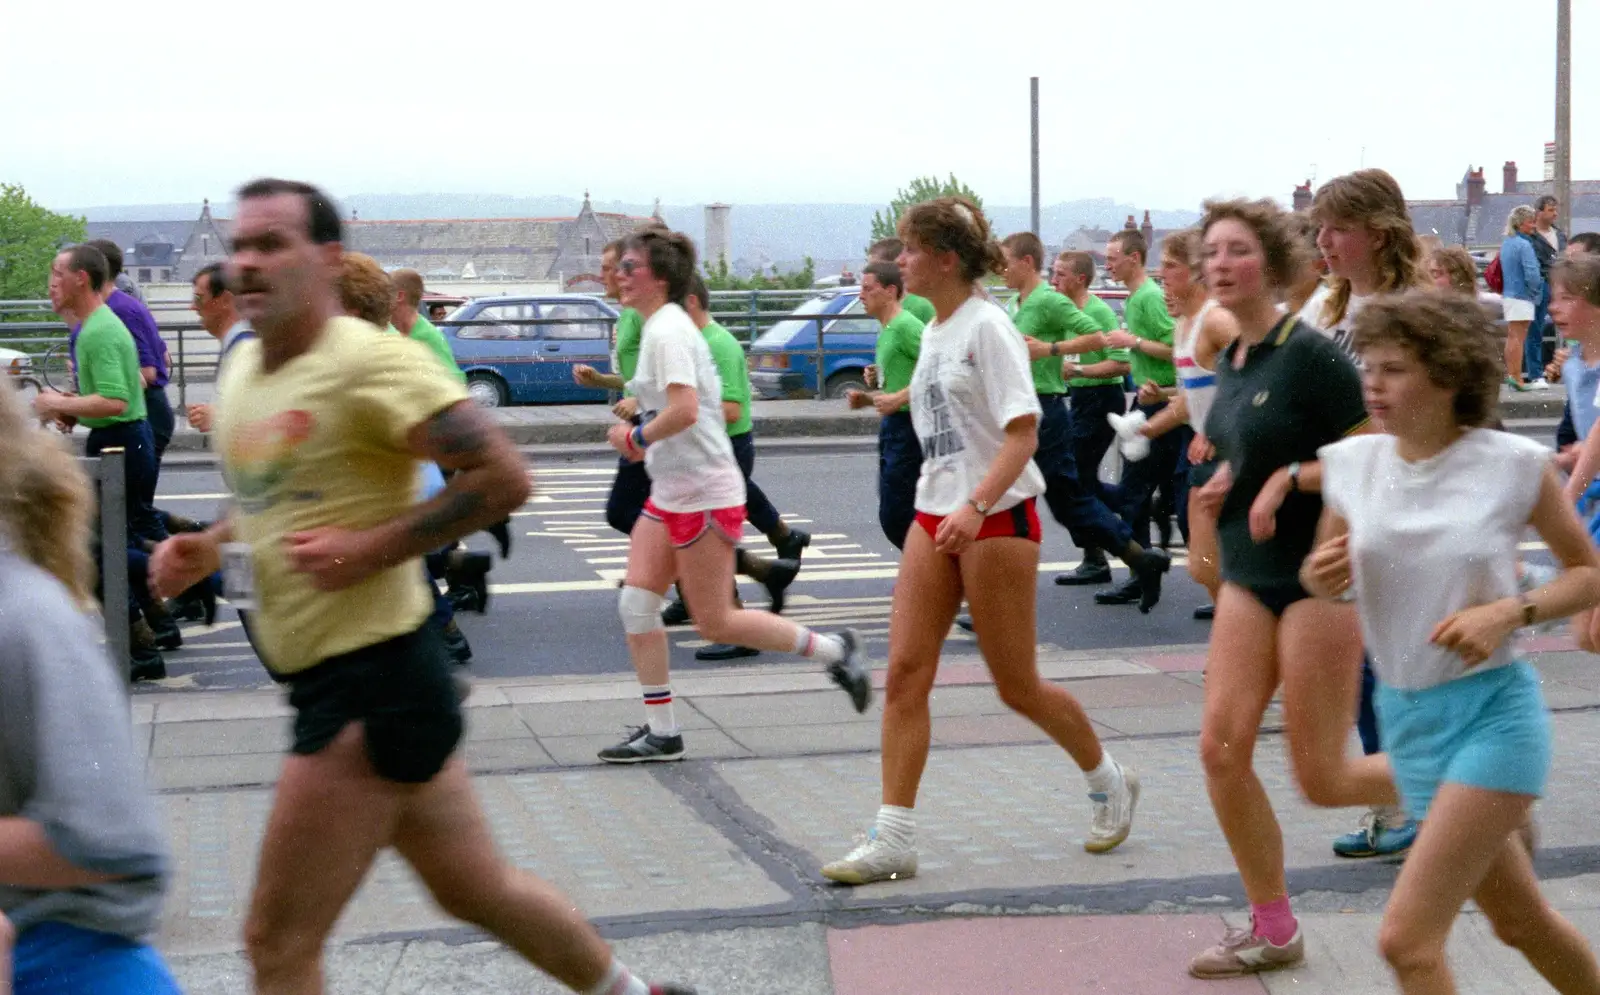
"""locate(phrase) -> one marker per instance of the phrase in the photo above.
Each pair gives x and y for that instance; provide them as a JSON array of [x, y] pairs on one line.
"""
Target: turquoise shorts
[[1486, 730]]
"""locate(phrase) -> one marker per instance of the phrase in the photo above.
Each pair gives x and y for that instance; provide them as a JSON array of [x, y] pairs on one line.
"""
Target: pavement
[[581, 427], [707, 870]]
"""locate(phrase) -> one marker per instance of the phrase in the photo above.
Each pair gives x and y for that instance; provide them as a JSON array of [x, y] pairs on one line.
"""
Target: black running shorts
[[401, 691]]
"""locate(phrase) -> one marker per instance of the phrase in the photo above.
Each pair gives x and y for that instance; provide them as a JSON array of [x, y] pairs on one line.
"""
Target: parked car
[[783, 360], [19, 371], [517, 362]]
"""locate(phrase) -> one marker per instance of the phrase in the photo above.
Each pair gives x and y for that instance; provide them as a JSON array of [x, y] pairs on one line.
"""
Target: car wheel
[[488, 390], [846, 380]]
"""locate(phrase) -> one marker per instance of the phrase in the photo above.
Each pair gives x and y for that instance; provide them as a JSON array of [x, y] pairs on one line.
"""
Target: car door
[[509, 347], [573, 332]]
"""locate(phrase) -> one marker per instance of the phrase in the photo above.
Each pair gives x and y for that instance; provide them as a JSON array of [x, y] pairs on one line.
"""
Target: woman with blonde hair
[[1450, 267], [83, 862], [1519, 266], [1366, 238]]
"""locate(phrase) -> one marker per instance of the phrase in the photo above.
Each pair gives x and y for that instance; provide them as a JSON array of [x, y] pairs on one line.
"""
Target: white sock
[[818, 646], [897, 825], [658, 712], [618, 981], [1104, 777]]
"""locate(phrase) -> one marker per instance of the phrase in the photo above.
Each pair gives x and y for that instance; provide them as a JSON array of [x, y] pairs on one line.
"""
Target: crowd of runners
[[1313, 405]]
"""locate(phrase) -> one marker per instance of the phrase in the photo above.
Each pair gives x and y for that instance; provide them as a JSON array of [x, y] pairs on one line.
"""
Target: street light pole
[[1033, 92], [1563, 177]]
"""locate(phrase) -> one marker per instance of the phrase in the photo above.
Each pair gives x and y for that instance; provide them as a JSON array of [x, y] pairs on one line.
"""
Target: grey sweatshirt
[[67, 761]]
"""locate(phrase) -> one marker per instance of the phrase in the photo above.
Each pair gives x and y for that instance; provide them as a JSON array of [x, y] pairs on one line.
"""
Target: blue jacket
[[1519, 266]]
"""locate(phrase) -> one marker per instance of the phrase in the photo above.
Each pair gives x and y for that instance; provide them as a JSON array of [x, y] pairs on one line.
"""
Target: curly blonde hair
[[1458, 266], [955, 224], [45, 499], [1453, 338], [1372, 199], [1283, 252], [365, 290]]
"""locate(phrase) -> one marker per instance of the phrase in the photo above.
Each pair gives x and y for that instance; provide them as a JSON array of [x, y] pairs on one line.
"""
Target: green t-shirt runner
[[1148, 319], [107, 362], [425, 332], [630, 329], [899, 344], [734, 371], [919, 306], [1105, 320], [1050, 316]]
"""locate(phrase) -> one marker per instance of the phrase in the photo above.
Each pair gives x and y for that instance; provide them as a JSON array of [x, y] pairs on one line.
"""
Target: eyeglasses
[[630, 266]]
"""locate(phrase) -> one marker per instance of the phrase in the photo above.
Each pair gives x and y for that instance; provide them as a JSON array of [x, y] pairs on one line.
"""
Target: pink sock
[[1274, 921]]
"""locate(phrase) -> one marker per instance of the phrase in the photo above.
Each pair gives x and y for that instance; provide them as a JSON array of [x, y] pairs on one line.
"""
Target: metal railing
[[106, 471]]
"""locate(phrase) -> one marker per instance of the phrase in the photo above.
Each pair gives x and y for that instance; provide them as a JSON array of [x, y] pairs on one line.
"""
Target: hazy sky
[[1153, 102]]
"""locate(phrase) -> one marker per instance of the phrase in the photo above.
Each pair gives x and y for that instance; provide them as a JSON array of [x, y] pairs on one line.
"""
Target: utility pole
[[1563, 177], [1033, 92]]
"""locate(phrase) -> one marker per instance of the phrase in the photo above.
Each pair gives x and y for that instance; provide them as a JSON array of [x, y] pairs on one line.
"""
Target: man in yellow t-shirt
[[321, 426]]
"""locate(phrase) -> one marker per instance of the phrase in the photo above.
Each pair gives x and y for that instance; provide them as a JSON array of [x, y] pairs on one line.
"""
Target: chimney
[[1475, 187], [1130, 226], [1508, 173], [1148, 230], [717, 238], [1302, 197]]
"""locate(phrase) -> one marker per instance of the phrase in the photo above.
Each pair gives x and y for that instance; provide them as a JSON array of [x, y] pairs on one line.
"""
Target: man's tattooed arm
[[487, 482]]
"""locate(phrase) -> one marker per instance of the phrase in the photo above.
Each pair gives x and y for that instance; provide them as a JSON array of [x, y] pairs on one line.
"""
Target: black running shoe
[[724, 651], [964, 622], [793, 545], [643, 746], [1205, 613], [1088, 572], [676, 613], [851, 673], [1155, 563]]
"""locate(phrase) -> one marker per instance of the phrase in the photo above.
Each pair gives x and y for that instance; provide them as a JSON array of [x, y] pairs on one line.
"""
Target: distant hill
[[769, 233]]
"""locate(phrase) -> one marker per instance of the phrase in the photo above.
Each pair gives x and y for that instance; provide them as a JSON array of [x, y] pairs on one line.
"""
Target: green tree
[[922, 190], [719, 277], [30, 237]]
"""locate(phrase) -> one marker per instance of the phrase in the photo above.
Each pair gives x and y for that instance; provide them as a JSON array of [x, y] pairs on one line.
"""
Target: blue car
[[522, 363], [783, 359]]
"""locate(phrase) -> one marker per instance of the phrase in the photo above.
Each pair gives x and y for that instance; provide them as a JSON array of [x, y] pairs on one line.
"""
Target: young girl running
[[976, 536], [695, 515], [1283, 391], [1422, 525]]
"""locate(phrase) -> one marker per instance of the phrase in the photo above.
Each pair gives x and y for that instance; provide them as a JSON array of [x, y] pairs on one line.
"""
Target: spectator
[[1524, 288], [1548, 244]]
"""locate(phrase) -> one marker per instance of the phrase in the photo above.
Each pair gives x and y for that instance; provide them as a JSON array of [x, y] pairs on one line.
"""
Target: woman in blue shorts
[[1421, 526], [83, 863]]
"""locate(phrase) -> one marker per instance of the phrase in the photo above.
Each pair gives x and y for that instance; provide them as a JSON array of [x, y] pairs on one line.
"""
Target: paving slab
[[799, 708], [601, 717], [702, 743], [1076, 955], [212, 739], [222, 771], [1141, 689], [807, 740], [599, 835]]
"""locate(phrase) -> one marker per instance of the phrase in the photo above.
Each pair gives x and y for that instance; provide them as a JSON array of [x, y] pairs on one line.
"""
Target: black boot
[[144, 657], [456, 642], [163, 626], [774, 575], [1205, 613], [790, 543], [1149, 566], [470, 571], [1093, 570], [501, 531]]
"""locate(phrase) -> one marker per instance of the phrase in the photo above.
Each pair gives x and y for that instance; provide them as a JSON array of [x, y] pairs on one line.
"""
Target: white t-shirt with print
[[1340, 331], [1429, 539], [972, 378], [694, 470]]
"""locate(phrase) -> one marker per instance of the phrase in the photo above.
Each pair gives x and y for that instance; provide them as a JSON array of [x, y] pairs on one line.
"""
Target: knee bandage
[[640, 610]]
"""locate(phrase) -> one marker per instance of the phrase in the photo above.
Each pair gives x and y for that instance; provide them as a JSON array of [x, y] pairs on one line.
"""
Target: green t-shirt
[[108, 366], [1148, 319], [1105, 320], [919, 306], [630, 329], [899, 344], [734, 371], [1050, 316], [425, 332]]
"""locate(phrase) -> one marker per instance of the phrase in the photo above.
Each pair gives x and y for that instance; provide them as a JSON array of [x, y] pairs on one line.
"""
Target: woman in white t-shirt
[[694, 519], [976, 536], [1422, 525]]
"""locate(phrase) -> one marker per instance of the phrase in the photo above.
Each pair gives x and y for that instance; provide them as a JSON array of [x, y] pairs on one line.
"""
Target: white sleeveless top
[[1199, 384]]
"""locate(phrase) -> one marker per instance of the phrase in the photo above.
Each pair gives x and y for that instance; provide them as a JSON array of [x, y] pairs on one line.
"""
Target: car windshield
[[780, 334]]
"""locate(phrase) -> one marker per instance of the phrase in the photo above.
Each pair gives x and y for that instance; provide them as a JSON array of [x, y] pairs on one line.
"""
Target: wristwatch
[[1053, 347], [981, 507], [1294, 476]]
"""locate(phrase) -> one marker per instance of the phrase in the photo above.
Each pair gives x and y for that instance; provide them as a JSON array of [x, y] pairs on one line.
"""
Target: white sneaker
[[1113, 813], [873, 860], [1539, 384]]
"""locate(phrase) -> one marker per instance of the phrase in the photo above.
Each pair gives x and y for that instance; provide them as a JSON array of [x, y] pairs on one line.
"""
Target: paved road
[[554, 602]]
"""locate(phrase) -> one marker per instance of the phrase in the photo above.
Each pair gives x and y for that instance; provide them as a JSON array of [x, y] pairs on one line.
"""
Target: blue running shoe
[[1383, 833]]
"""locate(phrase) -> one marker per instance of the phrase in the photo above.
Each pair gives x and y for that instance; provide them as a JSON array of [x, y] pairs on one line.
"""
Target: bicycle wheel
[[56, 368]]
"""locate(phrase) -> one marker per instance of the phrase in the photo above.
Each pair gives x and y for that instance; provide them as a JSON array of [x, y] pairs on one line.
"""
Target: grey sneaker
[[874, 860], [1242, 952], [643, 746], [851, 673], [1113, 813]]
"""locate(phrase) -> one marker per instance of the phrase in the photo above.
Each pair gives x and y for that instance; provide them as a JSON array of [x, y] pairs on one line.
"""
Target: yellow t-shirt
[[321, 441]]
